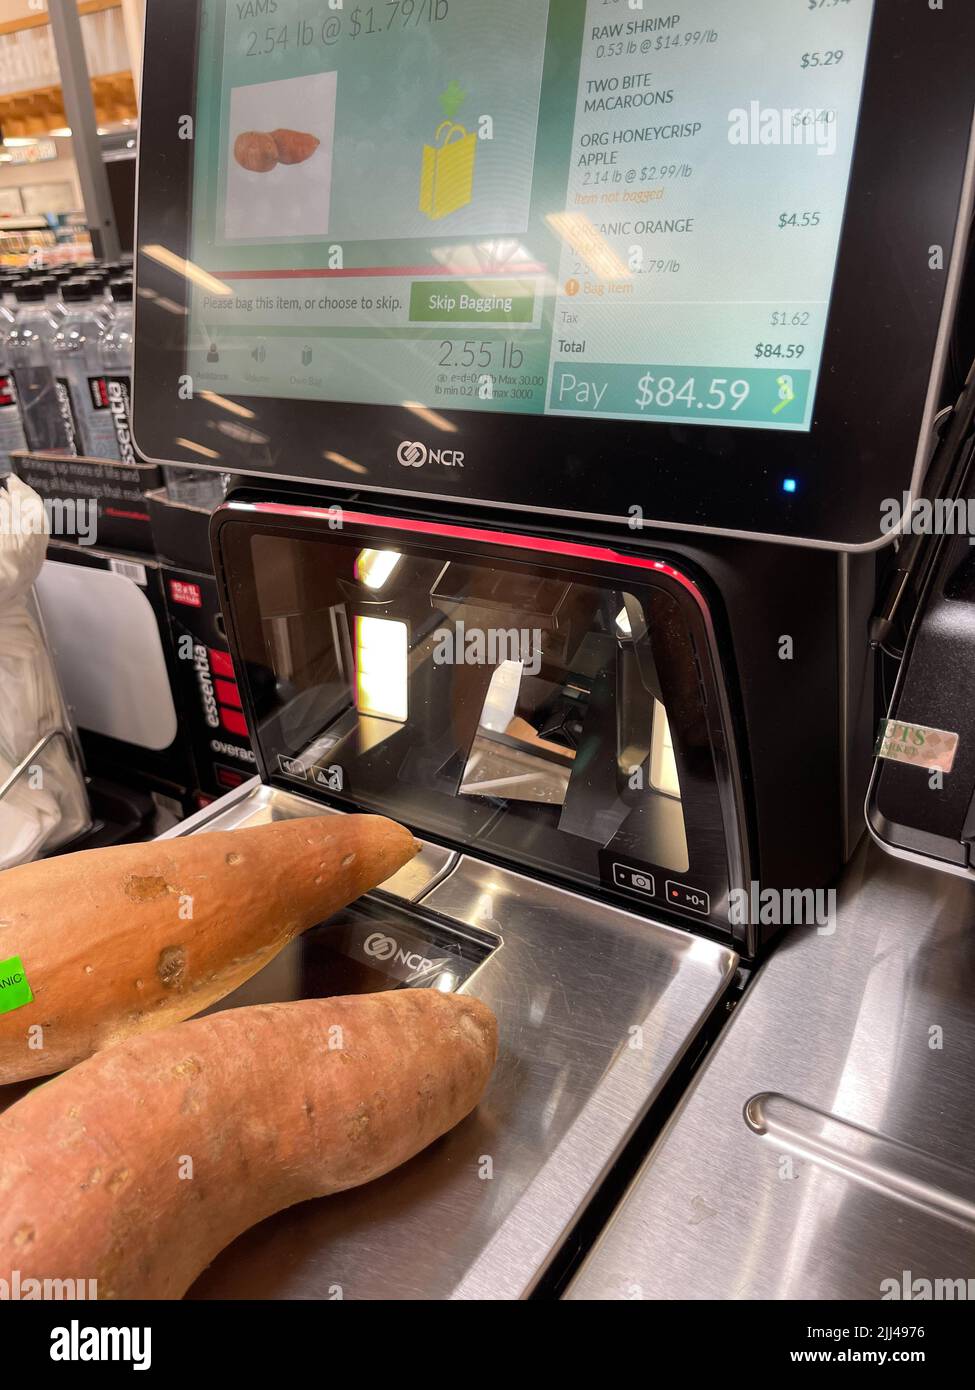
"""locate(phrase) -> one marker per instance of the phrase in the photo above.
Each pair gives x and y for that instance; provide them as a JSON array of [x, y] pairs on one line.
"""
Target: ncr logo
[[387, 948], [412, 454]]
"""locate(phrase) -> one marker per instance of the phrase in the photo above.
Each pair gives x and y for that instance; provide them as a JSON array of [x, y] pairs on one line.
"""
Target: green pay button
[[15, 992], [460, 301]]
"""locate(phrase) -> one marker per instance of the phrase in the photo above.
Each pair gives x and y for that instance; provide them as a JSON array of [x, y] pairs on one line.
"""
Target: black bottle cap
[[122, 291], [76, 291], [30, 292]]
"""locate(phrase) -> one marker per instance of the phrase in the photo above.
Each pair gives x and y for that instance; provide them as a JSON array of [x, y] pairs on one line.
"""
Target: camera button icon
[[636, 880]]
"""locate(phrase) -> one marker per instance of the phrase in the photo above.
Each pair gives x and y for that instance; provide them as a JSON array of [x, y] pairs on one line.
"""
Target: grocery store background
[[41, 194]]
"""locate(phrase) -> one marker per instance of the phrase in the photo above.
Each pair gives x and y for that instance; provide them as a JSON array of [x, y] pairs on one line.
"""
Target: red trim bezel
[[573, 549]]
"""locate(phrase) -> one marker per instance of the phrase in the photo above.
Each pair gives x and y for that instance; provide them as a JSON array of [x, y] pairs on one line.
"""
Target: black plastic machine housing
[[915, 810]]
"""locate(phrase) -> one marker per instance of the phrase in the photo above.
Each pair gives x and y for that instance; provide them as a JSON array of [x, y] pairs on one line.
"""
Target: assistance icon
[[447, 177]]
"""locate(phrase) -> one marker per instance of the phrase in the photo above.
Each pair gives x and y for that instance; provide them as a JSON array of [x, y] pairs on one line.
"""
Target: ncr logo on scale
[[387, 948], [413, 454]]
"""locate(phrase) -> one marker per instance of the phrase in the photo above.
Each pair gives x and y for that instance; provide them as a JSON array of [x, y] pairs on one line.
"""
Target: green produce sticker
[[15, 992]]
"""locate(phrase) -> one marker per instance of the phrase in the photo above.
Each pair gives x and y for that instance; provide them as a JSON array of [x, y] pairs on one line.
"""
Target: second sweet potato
[[136, 1168]]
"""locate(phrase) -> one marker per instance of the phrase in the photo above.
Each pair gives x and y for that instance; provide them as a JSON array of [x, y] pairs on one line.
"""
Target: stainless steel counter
[[596, 1008], [827, 1145]]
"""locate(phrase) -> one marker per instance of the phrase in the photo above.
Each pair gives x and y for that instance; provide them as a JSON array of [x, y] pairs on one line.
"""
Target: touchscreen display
[[612, 208]]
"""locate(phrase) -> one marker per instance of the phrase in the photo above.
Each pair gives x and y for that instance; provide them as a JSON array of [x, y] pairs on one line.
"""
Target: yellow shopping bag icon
[[447, 180]]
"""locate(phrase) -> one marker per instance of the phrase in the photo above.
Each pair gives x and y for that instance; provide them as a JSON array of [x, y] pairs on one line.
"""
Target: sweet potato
[[256, 151], [294, 146], [115, 942], [137, 1168]]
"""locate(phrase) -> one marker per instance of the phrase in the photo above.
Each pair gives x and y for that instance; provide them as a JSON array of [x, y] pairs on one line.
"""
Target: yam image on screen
[[259, 151]]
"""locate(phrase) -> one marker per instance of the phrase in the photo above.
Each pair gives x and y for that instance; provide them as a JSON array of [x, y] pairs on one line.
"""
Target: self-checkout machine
[[562, 354]]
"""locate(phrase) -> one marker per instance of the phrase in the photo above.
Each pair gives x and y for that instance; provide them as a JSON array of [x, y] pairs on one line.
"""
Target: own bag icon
[[447, 181]]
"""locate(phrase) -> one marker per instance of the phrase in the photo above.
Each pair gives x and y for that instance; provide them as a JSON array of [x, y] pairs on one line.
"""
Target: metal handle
[[34, 753]]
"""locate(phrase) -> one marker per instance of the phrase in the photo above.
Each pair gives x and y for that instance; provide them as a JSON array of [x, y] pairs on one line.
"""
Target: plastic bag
[[48, 805]]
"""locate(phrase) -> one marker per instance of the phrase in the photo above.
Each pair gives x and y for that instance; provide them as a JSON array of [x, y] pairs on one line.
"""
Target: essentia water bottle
[[74, 349], [98, 288], [44, 410], [111, 391], [52, 292], [11, 426], [8, 283]]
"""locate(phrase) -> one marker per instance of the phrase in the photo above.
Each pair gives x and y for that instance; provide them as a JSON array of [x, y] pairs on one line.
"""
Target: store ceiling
[[31, 99], [23, 14], [40, 113]]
